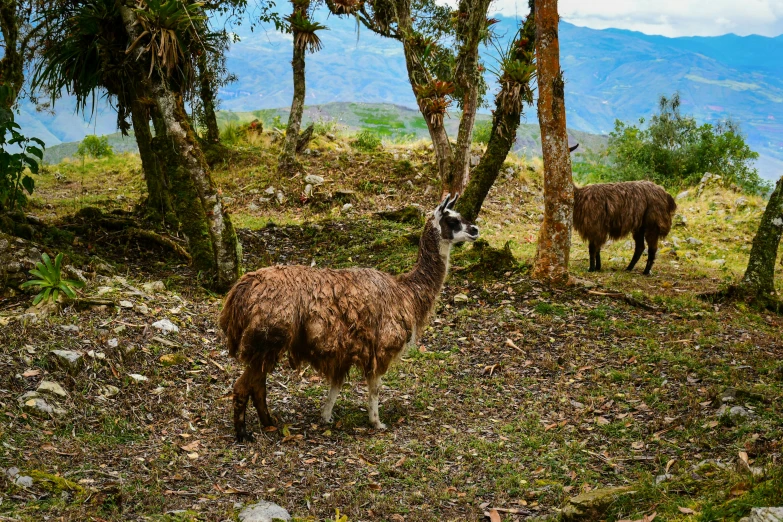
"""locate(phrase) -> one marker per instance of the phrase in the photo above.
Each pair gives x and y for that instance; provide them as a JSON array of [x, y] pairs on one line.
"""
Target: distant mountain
[[610, 74]]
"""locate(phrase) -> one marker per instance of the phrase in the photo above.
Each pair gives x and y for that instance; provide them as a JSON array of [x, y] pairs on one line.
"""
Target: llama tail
[[235, 316]]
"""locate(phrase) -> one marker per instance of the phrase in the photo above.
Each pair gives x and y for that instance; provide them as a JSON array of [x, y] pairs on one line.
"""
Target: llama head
[[453, 227]]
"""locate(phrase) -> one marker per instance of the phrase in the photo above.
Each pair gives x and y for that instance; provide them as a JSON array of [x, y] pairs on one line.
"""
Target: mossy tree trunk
[[206, 79], [287, 160], [505, 122], [554, 238], [467, 77], [212, 241], [12, 63], [159, 204], [759, 277]]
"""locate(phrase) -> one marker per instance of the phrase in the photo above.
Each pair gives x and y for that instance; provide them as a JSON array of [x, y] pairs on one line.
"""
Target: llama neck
[[426, 279]]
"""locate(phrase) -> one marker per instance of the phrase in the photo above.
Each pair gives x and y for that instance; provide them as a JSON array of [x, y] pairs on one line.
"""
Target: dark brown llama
[[614, 210], [335, 319]]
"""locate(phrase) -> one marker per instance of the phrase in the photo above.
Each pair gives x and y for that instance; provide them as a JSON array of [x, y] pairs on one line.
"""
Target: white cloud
[[667, 17]]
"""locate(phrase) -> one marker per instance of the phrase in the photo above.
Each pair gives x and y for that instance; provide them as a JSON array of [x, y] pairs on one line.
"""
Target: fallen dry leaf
[[601, 421], [494, 516], [193, 446], [31, 373], [686, 511]]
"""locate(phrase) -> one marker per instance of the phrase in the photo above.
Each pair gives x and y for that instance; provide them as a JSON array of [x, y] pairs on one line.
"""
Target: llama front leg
[[373, 388], [598, 258], [242, 390], [259, 398], [591, 248], [326, 411]]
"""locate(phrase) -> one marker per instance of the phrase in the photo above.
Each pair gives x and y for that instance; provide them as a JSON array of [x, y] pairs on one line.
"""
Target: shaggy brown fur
[[332, 319], [614, 210]]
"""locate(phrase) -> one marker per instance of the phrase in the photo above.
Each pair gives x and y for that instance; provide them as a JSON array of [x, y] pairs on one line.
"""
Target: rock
[[126, 304], [734, 416], [330, 136], [52, 388], [475, 159], [263, 511], [103, 290], [109, 391], [684, 194], [69, 327], [778, 222], [155, 286], [693, 241], [68, 360], [252, 207], [34, 404], [663, 478], [171, 359], [227, 200], [617, 260], [740, 202], [138, 378], [23, 481], [460, 298], [314, 180], [165, 326], [12, 472], [142, 308], [591, 505], [113, 343], [764, 514], [720, 262], [270, 190], [347, 207], [308, 190], [680, 221]]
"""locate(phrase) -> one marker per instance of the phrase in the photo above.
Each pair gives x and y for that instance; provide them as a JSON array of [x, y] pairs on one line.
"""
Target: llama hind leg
[[592, 249], [638, 238], [326, 411], [241, 397], [652, 248], [373, 388], [259, 398]]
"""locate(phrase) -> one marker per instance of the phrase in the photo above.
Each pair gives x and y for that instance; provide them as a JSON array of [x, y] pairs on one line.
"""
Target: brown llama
[[335, 319], [614, 210]]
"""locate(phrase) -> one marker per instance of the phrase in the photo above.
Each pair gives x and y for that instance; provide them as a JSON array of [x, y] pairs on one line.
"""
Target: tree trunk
[[759, 277], [207, 95], [12, 63], [212, 241], [467, 78], [505, 122], [554, 239], [287, 159], [158, 192]]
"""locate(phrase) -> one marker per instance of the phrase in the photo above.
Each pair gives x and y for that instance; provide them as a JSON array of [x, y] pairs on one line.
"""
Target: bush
[[481, 132], [95, 147], [367, 141], [14, 182], [674, 151]]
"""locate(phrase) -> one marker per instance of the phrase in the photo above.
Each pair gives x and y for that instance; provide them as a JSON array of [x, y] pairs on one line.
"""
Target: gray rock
[[69, 327], [51, 388], [741, 202], [474, 160], [70, 361], [693, 241], [735, 415], [113, 343], [308, 190], [347, 207], [109, 391], [270, 190], [12, 472], [591, 505], [314, 180], [155, 286], [137, 377], [24, 481], [34, 404], [126, 304], [764, 514], [720, 262], [263, 511], [460, 298], [142, 308], [684, 194], [252, 207], [663, 478], [280, 197], [165, 326]]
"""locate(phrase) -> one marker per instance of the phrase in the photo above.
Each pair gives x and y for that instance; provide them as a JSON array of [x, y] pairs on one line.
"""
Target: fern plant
[[50, 280]]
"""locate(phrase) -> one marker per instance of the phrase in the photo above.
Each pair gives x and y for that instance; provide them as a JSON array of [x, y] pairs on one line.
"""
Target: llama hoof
[[327, 420], [245, 437], [379, 426]]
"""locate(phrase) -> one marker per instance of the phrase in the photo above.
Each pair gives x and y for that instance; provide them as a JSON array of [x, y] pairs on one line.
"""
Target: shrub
[[481, 132], [367, 141], [14, 181], [95, 147], [50, 281], [674, 150]]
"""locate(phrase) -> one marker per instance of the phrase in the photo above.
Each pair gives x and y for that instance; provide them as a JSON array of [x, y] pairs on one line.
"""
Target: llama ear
[[442, 206], [450, 204]]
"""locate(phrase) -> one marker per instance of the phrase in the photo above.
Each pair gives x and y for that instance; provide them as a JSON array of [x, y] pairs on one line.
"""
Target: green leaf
[[48, 262], [74, 283], [32, 164], [55, 294], [39, 297], [28, 183], [47, 294], [67, 290], [40, 274], [58, 262], [35, 151], [39, 142], [34, 282]]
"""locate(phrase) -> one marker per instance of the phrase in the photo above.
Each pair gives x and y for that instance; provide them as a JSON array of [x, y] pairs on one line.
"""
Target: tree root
[[303, 140], [746, 294], [627, 298], [148, 235]]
